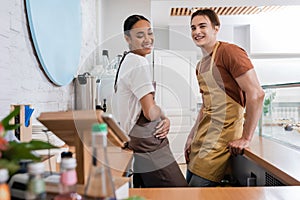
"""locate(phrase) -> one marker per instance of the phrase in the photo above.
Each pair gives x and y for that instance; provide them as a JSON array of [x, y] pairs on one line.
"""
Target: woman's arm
[[153, 112], [150, 109]]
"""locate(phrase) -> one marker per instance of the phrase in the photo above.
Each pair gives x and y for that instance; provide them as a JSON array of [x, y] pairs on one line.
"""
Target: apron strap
[[117, 74], [214, 55]]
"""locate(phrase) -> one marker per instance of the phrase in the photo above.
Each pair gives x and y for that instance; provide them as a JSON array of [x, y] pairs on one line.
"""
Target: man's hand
[[236, 147]]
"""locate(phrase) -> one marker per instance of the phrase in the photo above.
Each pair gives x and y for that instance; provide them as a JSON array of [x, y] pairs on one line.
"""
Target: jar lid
[[68, 163], [66, 154], [3, 175], [36, 168]]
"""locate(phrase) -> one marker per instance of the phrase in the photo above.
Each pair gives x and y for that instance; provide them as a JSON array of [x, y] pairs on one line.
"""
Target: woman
[[138, 114]]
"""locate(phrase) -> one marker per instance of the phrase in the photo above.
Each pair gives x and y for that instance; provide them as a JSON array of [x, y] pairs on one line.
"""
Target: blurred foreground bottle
[[68, 180], [4, 188], [99, 184], [36, 188]]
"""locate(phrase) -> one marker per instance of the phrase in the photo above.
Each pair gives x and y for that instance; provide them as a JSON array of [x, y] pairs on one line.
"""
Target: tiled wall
[[21, 79]]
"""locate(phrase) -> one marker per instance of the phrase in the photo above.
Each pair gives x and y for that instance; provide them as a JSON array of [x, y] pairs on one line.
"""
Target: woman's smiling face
[[141, 38]]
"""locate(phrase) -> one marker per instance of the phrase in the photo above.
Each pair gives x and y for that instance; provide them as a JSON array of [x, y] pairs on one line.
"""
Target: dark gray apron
[[154, 164]]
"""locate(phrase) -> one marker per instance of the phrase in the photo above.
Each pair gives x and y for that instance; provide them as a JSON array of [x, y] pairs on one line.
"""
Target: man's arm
[[249, 83]]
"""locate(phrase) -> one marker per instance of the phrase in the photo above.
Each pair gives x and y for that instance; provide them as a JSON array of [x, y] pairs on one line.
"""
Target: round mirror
[[55, 27]]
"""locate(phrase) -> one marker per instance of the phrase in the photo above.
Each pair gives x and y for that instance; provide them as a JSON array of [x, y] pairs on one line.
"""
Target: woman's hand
[[162, 129]]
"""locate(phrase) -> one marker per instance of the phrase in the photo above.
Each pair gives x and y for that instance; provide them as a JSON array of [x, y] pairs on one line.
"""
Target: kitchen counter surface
[[218, 193], [281, 160]]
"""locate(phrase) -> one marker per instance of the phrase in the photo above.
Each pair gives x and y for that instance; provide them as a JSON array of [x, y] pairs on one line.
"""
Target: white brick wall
[[21, 79]]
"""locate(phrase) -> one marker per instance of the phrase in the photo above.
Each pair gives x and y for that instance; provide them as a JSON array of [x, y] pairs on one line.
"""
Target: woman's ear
[[127, 38]]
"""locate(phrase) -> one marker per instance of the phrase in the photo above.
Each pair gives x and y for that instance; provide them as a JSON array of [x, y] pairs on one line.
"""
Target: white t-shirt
[[134, 82]]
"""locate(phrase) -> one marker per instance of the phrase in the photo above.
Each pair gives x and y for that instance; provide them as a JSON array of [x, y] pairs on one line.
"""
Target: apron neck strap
[[117, 74], [214, 54]]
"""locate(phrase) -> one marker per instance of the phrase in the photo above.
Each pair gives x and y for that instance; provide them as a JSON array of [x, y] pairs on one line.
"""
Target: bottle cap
[[23, 165], [68, 163], [3, 175], [36, 168], [102, 127], [105, 52], [66, 154]]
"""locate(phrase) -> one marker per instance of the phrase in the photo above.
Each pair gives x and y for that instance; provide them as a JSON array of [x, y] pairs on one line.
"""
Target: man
[[228, 84]]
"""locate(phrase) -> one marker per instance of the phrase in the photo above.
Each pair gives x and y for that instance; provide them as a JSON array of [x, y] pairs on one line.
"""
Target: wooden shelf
[[74, 127]]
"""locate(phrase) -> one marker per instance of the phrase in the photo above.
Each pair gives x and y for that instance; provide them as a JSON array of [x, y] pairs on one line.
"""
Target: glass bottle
[[36, 188], [99, 184], [68, 180], [4, 188], [105, 59]]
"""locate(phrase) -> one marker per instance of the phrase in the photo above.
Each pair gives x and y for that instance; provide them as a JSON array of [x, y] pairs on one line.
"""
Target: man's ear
[[217, 28]]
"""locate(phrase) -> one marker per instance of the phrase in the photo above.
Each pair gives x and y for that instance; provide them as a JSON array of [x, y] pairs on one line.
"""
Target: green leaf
[[18, 151], [265, 110], [32, 145], [267, 102], [12, 127], [10, 165], [5, 121]]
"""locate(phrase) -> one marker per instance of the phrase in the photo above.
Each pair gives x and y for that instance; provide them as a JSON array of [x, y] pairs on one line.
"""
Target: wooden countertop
[[280, 160], [218, 193]]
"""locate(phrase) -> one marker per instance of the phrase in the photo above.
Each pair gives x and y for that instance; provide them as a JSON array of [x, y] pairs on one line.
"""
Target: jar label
[[69, 177]]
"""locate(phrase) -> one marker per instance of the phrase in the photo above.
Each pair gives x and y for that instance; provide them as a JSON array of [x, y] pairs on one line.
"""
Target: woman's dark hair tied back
[[130, 21]]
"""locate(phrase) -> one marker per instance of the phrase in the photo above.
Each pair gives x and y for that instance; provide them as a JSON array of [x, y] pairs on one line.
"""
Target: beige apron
[[222, 121]]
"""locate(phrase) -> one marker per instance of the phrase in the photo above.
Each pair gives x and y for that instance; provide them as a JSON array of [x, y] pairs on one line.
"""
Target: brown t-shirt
[[231, 62]]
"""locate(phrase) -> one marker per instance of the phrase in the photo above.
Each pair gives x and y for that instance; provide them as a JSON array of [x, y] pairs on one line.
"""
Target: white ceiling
[[160, 9]]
